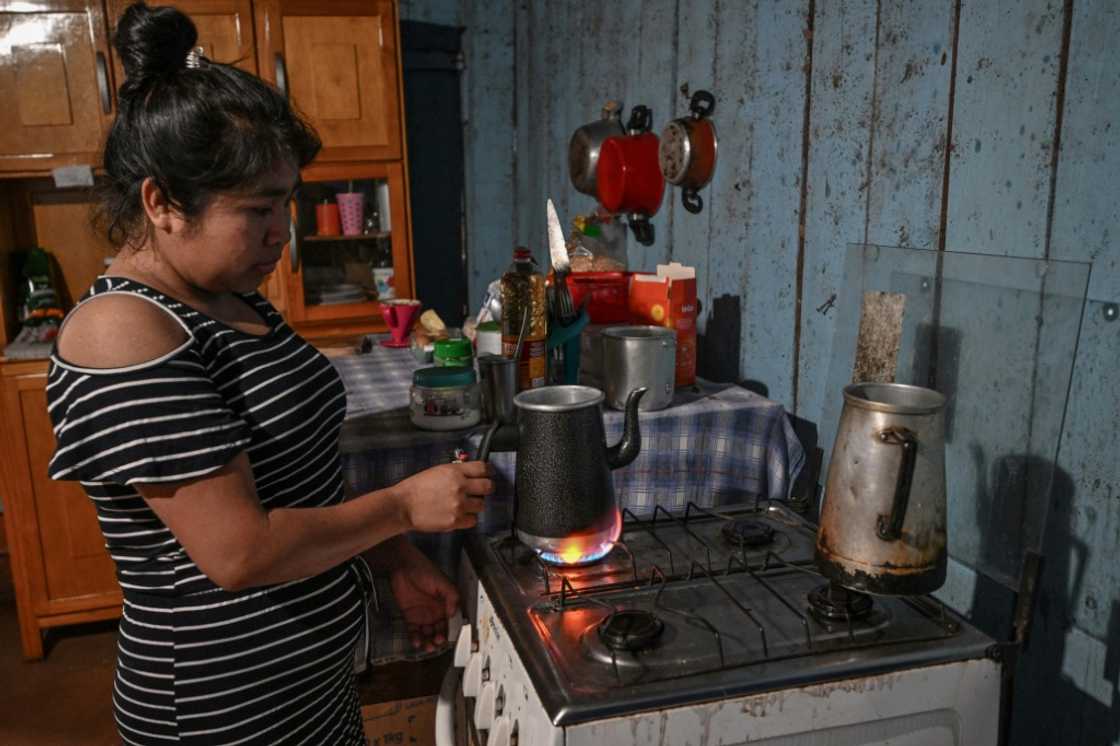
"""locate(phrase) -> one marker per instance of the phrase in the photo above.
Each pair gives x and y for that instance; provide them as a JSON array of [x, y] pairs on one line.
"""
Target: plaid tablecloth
[[716, 444]]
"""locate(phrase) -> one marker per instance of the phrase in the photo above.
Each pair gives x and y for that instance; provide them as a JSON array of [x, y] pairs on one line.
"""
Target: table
[[716, 444]]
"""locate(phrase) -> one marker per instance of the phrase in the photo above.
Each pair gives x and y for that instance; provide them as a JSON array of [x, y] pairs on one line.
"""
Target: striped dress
[[198, 664]]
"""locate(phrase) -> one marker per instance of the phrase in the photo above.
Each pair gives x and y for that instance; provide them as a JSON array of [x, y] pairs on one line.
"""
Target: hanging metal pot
[[629, 178], [688, 150], [583, 148]]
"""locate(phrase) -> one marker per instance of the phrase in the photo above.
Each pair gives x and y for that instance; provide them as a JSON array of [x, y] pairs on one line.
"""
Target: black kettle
[[565, 507]]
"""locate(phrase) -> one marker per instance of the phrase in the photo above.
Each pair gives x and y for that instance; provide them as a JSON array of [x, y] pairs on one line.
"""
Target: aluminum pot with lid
[[636, 357], [583, 149]]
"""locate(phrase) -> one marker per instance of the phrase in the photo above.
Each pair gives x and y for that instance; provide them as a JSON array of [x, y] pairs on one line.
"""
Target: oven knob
[[484, 706], [464, 646], [501, 732], [472, 675]]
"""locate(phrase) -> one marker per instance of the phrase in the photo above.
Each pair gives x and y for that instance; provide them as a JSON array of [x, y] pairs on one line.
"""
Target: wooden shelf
[[363, 237]]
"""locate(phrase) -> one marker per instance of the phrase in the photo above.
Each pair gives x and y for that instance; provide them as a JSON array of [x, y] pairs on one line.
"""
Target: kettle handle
[[889, 528]]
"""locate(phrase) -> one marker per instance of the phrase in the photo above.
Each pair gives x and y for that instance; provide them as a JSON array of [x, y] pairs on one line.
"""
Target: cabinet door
[[225, 29], [338, 63], [55, 84], [70, 566]]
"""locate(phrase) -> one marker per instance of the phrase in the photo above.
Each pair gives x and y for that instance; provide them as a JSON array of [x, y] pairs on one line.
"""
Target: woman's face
[[238, 239]]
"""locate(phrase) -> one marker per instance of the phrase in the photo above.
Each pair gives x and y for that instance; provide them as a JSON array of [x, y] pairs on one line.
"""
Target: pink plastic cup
[[350, 211]]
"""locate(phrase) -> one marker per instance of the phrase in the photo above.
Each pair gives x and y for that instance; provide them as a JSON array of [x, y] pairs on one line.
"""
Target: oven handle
[[445, 708]]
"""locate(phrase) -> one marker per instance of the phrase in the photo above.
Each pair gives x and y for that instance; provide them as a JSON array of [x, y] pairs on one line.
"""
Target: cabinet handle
[[103, 84], [293, 243], [281, 74]]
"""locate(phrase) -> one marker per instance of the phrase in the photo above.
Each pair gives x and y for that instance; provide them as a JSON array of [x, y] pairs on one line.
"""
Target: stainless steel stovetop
[[697, 606]]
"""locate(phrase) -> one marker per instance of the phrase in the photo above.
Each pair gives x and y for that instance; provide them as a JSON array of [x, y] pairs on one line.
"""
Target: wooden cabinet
[[225, 29], [339, 64], [61, 570], [55, 83]]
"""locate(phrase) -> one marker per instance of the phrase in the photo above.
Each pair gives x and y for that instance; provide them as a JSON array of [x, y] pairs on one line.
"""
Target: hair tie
[[195, 58]]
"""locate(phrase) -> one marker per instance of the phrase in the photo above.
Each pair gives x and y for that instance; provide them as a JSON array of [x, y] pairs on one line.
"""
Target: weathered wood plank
[[540, 81], [489, 143], [999, 187], [1086, 209], [910, 123], [690, 235], [839, 133], [759, 81], [654, 86], [1003, 126], [1086, 218], [524, 132]]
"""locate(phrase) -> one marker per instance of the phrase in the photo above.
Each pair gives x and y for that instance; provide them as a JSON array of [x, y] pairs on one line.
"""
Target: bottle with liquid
[[523, 293]]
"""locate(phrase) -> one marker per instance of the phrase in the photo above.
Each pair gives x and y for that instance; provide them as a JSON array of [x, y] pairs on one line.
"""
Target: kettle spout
[[626, 450]]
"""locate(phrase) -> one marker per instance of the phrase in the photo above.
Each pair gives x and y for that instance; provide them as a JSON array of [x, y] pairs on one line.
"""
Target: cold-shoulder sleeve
[[163, 421]]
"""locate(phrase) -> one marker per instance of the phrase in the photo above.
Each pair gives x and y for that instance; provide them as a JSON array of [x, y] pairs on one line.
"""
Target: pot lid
[[448, 348], [444, 377], [558, 398]]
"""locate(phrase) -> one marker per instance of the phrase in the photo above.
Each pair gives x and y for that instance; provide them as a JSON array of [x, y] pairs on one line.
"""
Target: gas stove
[[710, 626]]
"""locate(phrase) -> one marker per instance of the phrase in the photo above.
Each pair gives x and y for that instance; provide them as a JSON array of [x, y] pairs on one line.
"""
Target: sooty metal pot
[[563, 481], [882, 524]]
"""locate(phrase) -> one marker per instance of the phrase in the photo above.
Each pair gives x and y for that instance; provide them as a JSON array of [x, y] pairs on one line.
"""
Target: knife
[[556, 248]]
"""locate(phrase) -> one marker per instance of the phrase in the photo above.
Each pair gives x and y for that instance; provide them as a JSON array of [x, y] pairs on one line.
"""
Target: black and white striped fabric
[[198, 664]]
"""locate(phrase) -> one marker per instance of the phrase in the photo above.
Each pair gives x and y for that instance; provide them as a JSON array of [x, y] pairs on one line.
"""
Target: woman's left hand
[[427, 599]]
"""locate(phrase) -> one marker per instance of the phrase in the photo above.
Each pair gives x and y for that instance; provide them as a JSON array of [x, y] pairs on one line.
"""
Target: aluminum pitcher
[[882, 524]]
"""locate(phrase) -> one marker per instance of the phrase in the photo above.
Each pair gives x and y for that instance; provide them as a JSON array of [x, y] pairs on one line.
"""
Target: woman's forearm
[[300, 542]]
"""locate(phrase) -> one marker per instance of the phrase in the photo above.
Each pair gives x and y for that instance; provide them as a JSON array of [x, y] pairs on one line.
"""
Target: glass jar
[[445, 398]]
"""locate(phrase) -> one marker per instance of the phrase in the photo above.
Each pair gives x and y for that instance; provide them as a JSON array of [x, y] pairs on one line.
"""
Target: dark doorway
[[432, 62]]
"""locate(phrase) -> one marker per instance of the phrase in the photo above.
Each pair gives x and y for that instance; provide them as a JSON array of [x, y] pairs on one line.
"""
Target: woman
[[205, 430]]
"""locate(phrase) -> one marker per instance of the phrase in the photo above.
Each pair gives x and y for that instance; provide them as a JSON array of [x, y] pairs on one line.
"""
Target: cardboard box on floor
[[409, 722], [668, 298]]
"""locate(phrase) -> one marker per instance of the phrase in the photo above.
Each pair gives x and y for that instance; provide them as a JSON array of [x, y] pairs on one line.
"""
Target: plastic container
[[445, 398], [488, 340], [608, 295], [453, 353]]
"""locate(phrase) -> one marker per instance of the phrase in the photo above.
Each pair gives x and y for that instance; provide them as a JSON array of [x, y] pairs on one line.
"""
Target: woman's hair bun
[[153, 41]]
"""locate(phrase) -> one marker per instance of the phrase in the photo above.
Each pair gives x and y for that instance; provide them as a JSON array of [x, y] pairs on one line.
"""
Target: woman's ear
[[164, 218]]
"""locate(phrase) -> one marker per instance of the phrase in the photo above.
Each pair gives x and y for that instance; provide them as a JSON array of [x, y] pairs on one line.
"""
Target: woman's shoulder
[[113, 330]]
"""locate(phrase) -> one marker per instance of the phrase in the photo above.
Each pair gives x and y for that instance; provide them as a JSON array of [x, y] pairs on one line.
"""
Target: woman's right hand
[[446, 497]]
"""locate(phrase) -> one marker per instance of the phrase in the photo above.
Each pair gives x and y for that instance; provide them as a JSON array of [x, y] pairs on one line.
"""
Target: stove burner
[[630, 630], [832, 602], [745, 532]]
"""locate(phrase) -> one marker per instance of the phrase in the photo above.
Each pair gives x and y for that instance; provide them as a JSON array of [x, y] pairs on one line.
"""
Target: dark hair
[[197, 131]]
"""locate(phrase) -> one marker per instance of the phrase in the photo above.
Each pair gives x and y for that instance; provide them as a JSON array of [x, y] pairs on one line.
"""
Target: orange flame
[[589, 546]]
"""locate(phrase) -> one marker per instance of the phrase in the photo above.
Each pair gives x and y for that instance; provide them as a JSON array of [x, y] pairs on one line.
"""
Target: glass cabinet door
[[345, 245]]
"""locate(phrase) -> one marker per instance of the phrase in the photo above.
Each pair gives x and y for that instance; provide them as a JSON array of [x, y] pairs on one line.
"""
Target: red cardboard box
[[668, 298]]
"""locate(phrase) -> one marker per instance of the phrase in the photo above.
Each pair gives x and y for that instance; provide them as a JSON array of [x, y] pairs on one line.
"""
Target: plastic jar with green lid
[[453, 352], [445, 398]]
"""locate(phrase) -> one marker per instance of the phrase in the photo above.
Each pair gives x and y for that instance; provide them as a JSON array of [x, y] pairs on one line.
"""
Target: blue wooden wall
[[980, 126]]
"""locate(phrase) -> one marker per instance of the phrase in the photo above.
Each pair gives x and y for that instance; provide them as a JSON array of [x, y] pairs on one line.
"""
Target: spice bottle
[[523, 294]]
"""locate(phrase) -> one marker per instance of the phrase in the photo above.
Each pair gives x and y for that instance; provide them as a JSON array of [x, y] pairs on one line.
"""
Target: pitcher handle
[[889, 528]]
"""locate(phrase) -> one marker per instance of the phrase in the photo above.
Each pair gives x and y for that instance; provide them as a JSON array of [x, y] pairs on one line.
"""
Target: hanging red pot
[[629, 177], [688, 150]]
